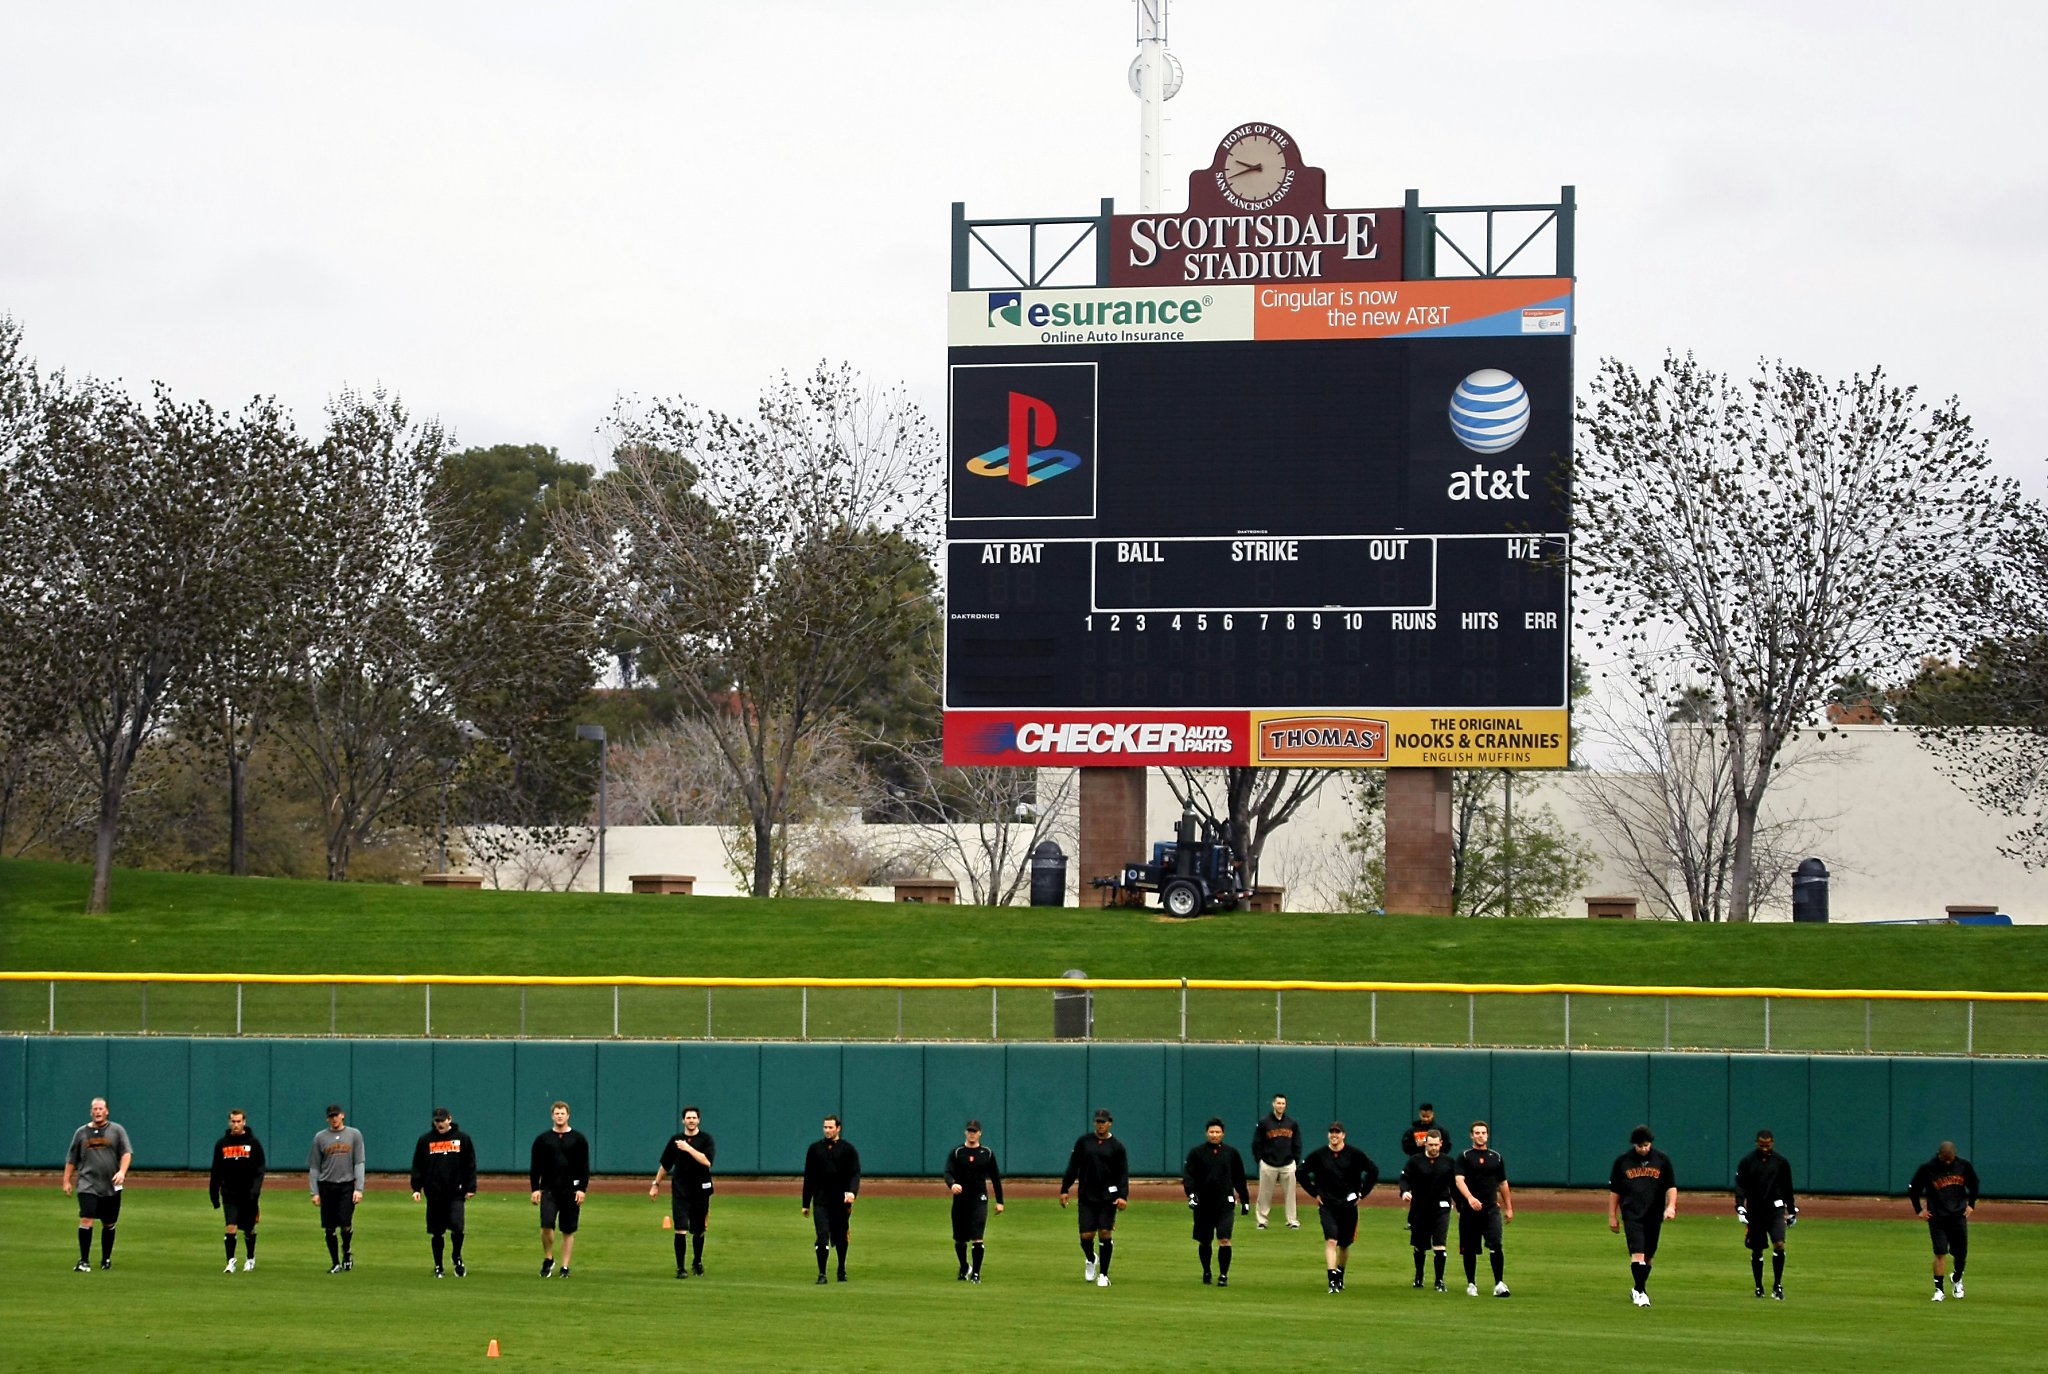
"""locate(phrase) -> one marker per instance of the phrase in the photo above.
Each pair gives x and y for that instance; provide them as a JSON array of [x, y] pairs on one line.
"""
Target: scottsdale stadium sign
[[1257, 213]]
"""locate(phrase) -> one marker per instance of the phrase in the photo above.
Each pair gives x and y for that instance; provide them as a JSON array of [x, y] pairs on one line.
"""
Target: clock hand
[[1250, 167]]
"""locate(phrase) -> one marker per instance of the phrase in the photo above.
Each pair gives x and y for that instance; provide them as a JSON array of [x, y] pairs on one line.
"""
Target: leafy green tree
[[1775, 535], [742, 552]]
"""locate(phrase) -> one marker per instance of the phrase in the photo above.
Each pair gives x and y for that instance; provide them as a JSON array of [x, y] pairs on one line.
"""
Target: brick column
[[1419, 841], [1112, 826]]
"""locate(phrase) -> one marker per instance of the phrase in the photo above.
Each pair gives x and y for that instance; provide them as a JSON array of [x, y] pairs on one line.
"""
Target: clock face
[[1253, 169]]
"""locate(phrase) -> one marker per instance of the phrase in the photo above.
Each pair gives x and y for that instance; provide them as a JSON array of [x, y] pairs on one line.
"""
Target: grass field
[[184, 922], [1858, 1295]]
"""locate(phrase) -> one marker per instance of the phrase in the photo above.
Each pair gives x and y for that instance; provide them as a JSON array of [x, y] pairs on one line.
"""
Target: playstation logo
[[1022, 425]]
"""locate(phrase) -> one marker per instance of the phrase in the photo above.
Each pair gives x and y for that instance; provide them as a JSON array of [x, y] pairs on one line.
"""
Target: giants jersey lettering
[[235, 1152]]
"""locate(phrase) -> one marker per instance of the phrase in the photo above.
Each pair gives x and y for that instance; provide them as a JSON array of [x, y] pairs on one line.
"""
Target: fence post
[[145, 1009], [1278, 1036], [615, 1011], [1471, 1019], [1970, 1028], [53, 1006], [804, 1021], [333, 1008], [522, 1011], [899, 1013], [1767, 1023], [238, 1009], [1866, 1025], [428, 989], [1667, 1023], [709, 1034], [994, 1014], [1567, 1020], [1183, 1009], [1373, 1032]]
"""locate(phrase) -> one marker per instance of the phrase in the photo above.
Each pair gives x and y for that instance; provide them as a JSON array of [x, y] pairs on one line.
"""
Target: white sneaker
[[1102, 1281], [1639, 1298], [230, 1269], [1645, 1299], [1471, 1290], [1939, 1296], [1500, 1290], [1088, 1272], [1958, 1287], [248, 1264]]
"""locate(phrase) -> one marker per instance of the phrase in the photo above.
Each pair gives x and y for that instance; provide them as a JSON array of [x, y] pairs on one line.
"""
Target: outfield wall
[[1849, 1124]]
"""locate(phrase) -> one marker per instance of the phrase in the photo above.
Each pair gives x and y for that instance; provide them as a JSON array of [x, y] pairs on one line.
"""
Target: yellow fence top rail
[[635, 980]]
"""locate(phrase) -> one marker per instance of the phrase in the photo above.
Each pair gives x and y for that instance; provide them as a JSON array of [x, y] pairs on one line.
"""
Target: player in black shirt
[[1418, 1130], [1213, 1178], [1337, 1177], [972, 1178], [831, 1183], [687, 1160], [1484, 1202], [444, 1176], [1948, 1186], [1642, 1191], [1428, 1183], [235, 1183], [1101, 1171], [1765, 1205], [559, 1173]]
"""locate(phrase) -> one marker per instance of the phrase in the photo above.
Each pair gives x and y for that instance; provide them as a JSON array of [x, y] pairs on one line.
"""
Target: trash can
[[1073, 1010], [1810, 891], [1048, 875]]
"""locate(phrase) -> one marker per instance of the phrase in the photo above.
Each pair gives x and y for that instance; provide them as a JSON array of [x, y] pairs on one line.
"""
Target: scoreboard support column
[[1419, 848], [1112, 825]]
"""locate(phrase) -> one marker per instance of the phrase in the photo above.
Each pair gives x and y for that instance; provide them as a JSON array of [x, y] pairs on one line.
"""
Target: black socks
[[977, 1259], [1107, 1246], [1640, 1273], [1223, 1260]]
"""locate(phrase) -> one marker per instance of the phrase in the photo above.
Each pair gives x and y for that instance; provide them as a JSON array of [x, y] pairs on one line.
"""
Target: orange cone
[[668, 1223], [492, 1353]]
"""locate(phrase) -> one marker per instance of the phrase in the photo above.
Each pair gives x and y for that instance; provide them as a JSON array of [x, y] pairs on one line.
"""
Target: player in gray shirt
[[97, 1164], [334, 1172]]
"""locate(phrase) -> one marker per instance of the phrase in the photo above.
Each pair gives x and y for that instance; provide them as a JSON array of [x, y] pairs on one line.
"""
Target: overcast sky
[[512, 213]]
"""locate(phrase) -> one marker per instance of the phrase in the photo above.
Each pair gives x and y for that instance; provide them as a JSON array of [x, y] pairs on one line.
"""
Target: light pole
[[596, 732]]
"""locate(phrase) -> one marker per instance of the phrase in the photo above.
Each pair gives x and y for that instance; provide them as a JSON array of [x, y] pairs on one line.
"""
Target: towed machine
[[1194, 873]]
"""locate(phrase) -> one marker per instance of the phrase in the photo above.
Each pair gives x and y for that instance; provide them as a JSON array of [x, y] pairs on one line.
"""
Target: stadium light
[[596, 732]]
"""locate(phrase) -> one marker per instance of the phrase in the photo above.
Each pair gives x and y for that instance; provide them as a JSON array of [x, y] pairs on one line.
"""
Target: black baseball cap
[[334, 1109], [1102, 1114], [973, 1125], [441, 1114]]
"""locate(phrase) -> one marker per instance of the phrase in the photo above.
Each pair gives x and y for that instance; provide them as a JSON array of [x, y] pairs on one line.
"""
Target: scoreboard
[[1249, 524]]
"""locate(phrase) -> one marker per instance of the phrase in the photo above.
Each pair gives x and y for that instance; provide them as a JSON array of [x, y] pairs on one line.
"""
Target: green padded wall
[[1532, 1095], [1846, 1123]]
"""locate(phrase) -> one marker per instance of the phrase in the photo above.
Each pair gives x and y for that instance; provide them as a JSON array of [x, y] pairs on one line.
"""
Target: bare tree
[[1777, 535], [981, 824], [1665, 811], [767, 563], [1247, 804]]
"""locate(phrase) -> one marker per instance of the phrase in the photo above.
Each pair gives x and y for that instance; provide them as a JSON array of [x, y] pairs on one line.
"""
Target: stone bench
[[671, 884]]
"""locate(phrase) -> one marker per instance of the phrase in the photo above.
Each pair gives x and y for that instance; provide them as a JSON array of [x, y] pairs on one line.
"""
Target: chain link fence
[[1786, 1020]]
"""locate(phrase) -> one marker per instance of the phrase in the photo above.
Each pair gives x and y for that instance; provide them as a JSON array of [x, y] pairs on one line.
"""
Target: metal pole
[[1970, 1028], [899, 1013], [428, 989], [238, 1009], [615, 1002], [1183, 1010], [1667, 1023], [1278, 1037], [145, 1009], [804, 1024], [1866, 1025], [603, 781], [1152, 101], [53, 1006], [1373, 1035], [1767, 1023], [1471, 1019], [522, 1011], [709, 1034], [993, 1021], [333, 1007], [1567, 1020]]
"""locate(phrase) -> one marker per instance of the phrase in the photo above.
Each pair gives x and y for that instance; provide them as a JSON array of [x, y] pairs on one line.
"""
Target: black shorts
[[832, 1221], [1766, 1227], [1217, 1222], [239, 1212], [1948, 1233], [1340, 1221], [560, 1213], [337, 1206], [1478, 1228], [444, 1211], [689, 1209], [1429, 1229], [1097, 1216], [1641, 1234], [970, 1216], [104, 1208]]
